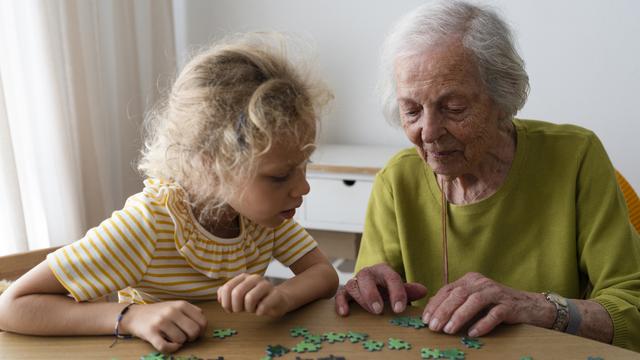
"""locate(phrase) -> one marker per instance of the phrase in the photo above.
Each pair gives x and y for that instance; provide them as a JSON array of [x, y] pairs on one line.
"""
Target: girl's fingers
[[224, 291], [256, 295], [240, 290]]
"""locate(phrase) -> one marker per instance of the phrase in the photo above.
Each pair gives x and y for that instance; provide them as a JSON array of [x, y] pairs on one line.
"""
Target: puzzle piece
[[355, 337], [372, 345], [397, 344], [594, 358], [471, 342], [332, 337], [276, 350], [427, 353], [452, 354], [223, 333], [331, 357], [316, 339], [298, 331], [160, 356], [408, 321], [153, 356], [526, 358], [305, 346]]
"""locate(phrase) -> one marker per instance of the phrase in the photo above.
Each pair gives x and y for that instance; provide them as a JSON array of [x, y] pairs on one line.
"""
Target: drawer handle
[[349, 182]]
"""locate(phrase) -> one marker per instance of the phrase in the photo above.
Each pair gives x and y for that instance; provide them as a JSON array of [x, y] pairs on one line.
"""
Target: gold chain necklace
[[445, 250]]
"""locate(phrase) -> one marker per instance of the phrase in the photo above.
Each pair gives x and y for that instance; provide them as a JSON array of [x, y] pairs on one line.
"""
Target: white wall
[[582, 57]]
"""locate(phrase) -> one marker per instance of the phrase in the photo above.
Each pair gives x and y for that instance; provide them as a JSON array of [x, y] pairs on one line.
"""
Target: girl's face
[[277, 189]]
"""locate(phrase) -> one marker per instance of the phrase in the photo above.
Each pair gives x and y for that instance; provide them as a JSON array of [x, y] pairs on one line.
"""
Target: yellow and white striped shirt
[[154, 250]]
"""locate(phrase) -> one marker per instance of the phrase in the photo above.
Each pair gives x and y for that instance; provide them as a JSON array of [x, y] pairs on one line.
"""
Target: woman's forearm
[[52, 314], [596, 323]]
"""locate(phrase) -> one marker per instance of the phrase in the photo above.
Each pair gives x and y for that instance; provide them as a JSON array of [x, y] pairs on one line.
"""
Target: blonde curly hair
[[227, 107]]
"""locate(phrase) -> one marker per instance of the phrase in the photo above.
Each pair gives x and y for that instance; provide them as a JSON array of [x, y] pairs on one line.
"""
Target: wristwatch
[[562, 310]]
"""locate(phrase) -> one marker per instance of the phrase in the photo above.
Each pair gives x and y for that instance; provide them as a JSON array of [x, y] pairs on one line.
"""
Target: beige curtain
[[76, 78]]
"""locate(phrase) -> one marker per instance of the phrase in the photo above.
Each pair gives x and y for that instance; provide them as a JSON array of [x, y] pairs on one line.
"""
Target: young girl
[[225, 159]]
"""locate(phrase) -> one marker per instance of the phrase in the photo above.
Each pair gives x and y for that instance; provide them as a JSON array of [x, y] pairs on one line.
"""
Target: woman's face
[[445, 109]]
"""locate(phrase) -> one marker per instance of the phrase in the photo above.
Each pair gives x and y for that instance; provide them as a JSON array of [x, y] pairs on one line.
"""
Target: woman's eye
[[455, 110], [411, 114]]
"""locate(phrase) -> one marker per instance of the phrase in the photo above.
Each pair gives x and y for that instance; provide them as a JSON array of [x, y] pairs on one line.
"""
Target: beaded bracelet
[[117, 328]]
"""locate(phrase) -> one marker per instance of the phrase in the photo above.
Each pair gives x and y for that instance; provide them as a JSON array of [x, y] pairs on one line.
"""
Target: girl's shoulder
[[158, 190]]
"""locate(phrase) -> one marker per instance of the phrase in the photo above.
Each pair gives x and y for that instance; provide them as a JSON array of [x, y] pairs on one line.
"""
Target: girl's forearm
[[53, 314], [318, 281]]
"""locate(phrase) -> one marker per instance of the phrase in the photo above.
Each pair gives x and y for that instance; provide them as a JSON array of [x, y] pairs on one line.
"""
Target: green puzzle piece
[[316, 339], [397, 344], [471, 342], [355, 337], [223, 333], [332, 337], [298, 331], [452, 354], [372, 345], [305, 346], [276, 350], [427, 353]]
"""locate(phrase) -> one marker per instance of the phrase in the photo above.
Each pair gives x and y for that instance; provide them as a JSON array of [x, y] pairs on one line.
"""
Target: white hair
[[483, 33]]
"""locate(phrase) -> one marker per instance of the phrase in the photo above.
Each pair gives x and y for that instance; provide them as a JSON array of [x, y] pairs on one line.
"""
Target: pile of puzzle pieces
[[309, 343]]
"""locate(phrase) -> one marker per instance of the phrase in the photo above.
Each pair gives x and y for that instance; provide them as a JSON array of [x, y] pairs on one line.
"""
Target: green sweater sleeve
[[608, 245], [380, 238]]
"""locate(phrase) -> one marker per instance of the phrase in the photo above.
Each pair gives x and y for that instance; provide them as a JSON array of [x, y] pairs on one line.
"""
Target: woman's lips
[[441, 154]]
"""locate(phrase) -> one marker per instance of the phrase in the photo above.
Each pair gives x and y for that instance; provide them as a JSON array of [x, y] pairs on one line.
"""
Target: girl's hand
[[253, 293], [166, 325]]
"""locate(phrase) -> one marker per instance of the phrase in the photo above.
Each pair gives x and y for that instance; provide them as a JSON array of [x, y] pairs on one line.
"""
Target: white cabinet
[[341, 178]]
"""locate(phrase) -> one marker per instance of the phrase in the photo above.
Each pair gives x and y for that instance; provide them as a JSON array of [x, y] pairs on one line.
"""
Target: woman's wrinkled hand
[[475, 296], [255, 294], [165, 325], [372, 285]]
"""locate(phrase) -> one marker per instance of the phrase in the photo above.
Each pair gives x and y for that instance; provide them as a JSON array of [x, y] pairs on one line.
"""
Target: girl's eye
[[279, 179]]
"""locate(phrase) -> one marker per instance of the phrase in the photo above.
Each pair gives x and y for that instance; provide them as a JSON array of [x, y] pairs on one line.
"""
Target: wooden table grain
[[255, 333]]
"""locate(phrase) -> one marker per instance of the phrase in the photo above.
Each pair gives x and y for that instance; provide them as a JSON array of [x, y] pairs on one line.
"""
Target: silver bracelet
[[574, 318]]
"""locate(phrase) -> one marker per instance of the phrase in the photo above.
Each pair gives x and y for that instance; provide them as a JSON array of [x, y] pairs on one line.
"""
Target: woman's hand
[[475, 295], [374, 284], [253, 293], [166, 325]]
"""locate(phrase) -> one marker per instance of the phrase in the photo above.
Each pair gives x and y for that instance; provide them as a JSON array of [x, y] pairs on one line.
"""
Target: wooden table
[[255, 333]]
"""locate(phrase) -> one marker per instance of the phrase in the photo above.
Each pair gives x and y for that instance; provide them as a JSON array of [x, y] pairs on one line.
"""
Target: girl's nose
[[301, 186]]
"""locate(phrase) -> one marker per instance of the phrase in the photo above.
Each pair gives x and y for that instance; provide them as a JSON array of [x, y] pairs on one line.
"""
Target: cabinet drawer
[[336, 204]]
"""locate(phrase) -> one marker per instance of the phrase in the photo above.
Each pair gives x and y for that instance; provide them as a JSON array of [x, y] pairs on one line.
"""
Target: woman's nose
[[431, 127]]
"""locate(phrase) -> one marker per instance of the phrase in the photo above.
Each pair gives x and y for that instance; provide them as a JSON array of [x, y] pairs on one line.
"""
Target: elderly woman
[[503, 220]]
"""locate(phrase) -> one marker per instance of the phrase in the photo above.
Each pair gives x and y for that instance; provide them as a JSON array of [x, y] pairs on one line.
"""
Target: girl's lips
[[288, 214]]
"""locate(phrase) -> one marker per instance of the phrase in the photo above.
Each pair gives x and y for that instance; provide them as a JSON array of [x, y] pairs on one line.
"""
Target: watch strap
[[574, 318]]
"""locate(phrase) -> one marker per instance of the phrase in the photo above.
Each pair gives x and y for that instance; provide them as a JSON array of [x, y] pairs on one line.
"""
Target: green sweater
[[558, 223]]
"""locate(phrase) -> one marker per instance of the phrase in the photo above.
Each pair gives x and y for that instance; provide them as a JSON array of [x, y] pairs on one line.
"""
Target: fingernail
[[425, 318], [473, 333], [376, 307], [434, 324], [448, 328], [342, 310], [398, 307]]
